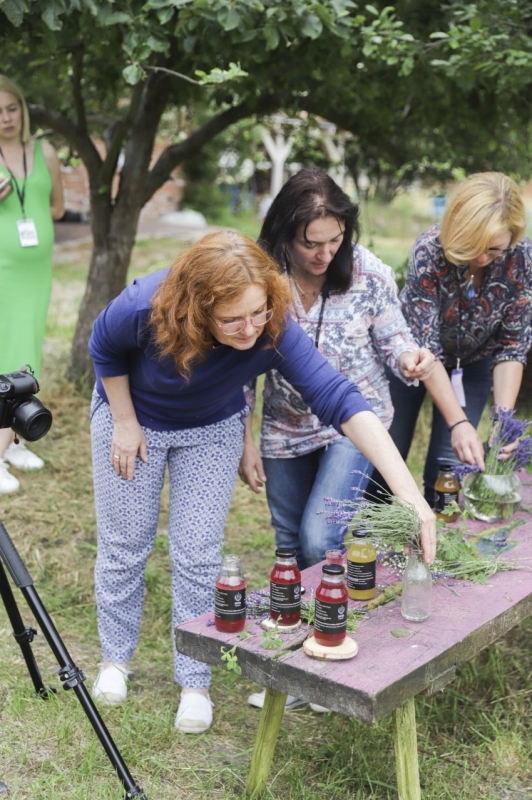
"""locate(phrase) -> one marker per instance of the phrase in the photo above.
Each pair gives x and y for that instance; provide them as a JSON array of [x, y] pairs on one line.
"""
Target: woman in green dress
[[30, 200]]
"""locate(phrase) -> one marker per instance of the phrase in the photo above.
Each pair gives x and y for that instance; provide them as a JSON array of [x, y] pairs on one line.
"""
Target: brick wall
[[165, 199]]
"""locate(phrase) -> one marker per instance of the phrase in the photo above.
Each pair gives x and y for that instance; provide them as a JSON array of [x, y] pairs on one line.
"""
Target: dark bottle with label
[[285, 588], [330, 614], [361, 567], [447, 490], [230, 596]]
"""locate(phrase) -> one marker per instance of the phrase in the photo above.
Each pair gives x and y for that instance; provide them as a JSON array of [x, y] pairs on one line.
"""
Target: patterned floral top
[[495, 321], [361, 330]]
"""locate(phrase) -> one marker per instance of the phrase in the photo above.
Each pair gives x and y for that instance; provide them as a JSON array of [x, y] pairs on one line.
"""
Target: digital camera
[[19, 409]]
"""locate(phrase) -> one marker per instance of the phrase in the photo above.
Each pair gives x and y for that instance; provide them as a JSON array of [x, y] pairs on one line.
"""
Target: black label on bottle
[[444, 500], [330, 617], [229, 604], [285, 598], [361, 576]]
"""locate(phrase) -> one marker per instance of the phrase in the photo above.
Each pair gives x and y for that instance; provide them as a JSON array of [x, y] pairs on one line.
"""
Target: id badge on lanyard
[[457, 384], [27, 233]]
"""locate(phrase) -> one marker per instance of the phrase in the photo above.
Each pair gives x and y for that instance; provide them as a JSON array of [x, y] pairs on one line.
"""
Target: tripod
[[70, 675]]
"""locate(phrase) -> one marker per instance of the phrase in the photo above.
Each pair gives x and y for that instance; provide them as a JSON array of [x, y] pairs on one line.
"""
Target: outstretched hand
[[467, 445]]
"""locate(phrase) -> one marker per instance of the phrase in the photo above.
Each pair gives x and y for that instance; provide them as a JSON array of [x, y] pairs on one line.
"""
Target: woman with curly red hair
[[172, 354]]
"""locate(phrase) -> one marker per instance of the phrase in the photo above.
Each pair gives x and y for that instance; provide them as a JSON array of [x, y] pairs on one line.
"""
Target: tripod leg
[[71, 676], [24, 636]]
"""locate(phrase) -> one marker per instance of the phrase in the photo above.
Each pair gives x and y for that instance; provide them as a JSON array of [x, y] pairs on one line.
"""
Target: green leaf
[[475, 23], [372, 10], [401, 633], [51, 15], [14, 11], [230, 20], [439, 35], [272, 38], [133, 74], [312, 26]]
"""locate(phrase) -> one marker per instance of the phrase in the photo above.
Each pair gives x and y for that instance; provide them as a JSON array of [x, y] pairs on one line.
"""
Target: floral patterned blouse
[[495, 321], [361, 330]]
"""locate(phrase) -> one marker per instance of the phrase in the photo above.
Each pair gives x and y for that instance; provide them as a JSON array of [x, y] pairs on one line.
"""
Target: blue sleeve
[[120, 328], [331, 396]]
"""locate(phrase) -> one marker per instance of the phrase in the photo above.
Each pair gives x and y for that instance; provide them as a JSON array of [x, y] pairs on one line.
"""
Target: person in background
[[345, 299], [172, 354], [468, 298], [29, 202]]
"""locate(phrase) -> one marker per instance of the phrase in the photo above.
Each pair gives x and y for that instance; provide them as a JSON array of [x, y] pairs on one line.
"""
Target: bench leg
[[405, 743], [270, 722]]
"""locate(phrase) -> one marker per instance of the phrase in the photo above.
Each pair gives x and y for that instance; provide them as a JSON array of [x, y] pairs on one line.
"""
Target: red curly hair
[[216, 269]]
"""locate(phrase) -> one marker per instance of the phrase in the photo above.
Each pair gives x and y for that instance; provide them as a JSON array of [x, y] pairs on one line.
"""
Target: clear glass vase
[[492, 498], [417, 588]]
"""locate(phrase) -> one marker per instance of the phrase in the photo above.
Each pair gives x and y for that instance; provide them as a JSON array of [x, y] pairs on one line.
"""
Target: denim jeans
[[407, 401], [296, 488]]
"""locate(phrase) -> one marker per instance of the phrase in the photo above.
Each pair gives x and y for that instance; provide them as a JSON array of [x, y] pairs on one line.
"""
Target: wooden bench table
[[389, 670]]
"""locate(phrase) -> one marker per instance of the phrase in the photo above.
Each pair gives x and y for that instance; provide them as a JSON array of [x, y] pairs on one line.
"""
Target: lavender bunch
[[390, 525], [492, 495], [505, 430]]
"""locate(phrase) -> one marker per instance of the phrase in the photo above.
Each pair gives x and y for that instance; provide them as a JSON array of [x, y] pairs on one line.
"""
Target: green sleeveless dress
[[25, 272]]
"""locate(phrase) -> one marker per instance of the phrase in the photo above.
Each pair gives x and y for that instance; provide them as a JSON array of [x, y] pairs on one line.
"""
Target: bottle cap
[[333, 569], [285, 552], [446, 467], [360, 534]]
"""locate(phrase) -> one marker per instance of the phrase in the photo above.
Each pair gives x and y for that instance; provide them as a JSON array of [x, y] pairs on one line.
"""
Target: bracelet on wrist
[[452, 427]]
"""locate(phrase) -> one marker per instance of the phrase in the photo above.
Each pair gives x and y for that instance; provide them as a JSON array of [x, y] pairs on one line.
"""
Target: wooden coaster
[[347, 649], [270, 624]]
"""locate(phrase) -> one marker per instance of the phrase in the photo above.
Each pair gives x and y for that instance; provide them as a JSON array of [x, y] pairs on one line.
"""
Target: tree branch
[[79, 140], [115, 134], [76, 78], [177, 153]]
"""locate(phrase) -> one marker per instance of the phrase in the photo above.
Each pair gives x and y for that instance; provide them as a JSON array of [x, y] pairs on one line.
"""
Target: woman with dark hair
[[172, 354], [345, 298], [468, 296]]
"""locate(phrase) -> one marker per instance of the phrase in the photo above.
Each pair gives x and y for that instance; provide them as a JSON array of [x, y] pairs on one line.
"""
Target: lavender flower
[[523, 454], [461, 470]]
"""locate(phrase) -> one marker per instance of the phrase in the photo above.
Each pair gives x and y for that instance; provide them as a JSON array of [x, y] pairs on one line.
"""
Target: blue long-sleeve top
[[122, 344]]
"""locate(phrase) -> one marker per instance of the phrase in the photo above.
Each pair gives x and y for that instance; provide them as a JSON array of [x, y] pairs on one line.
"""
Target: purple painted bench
[[389, 671]]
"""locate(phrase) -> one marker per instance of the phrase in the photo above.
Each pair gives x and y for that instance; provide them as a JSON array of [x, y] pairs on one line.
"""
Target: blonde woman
[[172, 354], [468, 298], [31, 199]]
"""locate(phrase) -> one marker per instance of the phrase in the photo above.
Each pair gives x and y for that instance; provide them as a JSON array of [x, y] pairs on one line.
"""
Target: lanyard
[[21, 193], [324, 296]]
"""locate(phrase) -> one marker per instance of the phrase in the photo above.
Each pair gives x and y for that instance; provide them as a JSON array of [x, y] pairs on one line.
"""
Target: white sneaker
[[8, 482], [110, 687], [257, 700], [318, 709], [20, 457], [194, 714]]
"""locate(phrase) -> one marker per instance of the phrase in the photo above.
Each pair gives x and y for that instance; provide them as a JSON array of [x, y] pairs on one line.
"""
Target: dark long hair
[[312, 194]]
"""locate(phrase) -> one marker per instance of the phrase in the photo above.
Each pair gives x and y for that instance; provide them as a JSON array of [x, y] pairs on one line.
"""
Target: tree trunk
[[107, 277]]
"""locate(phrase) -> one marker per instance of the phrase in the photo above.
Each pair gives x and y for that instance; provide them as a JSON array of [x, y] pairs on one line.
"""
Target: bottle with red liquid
[[285, 588], [230, 596], [330, 616]]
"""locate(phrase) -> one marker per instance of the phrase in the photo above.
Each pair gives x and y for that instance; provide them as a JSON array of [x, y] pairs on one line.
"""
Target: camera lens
[[31, 420]]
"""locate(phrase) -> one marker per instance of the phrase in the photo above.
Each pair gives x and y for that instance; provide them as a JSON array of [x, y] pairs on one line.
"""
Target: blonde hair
[[216, 269], [7, 85], [485, 205]]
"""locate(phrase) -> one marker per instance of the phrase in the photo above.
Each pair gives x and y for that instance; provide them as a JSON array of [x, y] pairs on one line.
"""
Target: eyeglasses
[[497, 252], [232, 328]]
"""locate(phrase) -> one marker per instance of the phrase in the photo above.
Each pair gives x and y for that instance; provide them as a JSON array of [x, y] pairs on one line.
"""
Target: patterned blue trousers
[[202, 465]]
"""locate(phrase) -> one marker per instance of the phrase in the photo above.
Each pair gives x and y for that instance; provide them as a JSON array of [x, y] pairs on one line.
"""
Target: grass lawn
[[475, 738]]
